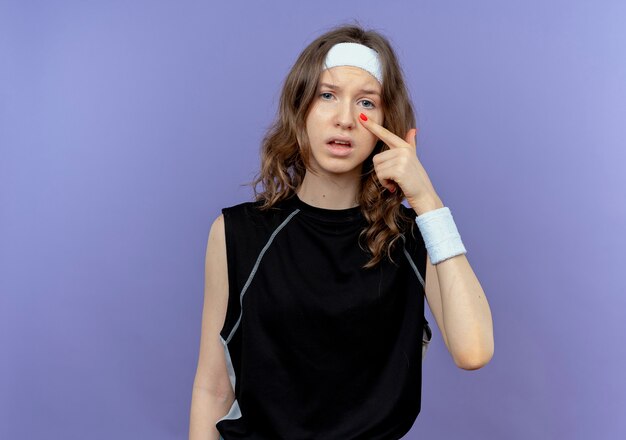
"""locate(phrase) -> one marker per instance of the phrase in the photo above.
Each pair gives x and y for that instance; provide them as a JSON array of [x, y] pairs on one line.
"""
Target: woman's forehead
[[349, 77]]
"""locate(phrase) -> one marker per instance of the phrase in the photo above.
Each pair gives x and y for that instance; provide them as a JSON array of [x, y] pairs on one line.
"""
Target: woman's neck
[[330, 193]]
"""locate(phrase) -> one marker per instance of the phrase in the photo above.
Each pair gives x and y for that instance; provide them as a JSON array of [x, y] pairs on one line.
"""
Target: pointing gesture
[[399, 166]]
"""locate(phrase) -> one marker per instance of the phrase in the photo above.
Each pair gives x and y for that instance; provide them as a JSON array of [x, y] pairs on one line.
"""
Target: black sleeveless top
[[317, 347]]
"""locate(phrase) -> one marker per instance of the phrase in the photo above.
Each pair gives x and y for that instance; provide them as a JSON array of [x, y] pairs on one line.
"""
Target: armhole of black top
[[231, 268], [421, 250], [427, 333], [415, 245], [421, 254]]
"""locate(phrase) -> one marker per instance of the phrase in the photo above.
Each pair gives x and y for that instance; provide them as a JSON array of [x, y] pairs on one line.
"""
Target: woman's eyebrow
[[367, 91]]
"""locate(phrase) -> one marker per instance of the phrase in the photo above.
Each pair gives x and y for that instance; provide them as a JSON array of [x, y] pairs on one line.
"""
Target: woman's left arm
[[457, 299], [459, 306]]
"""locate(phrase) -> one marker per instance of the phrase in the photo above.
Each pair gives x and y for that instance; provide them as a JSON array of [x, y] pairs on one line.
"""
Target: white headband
[[355, 54]]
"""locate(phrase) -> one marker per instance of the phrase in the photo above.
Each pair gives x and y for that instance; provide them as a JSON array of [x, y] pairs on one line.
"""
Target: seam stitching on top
[[254, 269], [408, 257]]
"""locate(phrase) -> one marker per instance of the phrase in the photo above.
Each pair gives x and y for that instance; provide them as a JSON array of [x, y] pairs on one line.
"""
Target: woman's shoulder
[[243, 207], [253, 211]]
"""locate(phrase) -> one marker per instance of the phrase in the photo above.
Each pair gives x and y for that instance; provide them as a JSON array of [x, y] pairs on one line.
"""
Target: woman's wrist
[[440, 234], [429, 203]]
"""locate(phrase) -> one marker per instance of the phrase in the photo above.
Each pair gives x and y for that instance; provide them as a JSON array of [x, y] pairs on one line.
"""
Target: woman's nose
[[346, 115]]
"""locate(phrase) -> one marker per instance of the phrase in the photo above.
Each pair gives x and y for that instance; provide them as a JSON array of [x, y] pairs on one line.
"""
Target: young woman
[[313, 324]]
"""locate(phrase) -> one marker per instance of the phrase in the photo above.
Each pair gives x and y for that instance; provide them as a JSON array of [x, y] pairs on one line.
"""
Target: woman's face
[[342, 93]]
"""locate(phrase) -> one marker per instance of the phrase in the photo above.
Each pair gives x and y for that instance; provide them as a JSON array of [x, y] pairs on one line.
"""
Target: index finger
[[389, 138]]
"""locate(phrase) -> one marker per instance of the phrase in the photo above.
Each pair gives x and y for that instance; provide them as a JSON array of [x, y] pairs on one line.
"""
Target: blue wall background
[[125, 126]]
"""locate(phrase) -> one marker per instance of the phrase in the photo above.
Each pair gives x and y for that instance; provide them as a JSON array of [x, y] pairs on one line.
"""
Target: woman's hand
[[400, 166]]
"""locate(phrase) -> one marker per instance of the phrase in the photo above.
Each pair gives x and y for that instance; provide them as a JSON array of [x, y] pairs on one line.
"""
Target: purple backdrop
[[126, 125]]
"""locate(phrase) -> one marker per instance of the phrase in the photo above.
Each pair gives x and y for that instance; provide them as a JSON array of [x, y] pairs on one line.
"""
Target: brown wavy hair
[[285, 149]]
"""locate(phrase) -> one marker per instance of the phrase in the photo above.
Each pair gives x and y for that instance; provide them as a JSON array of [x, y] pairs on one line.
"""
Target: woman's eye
[[371, 105]]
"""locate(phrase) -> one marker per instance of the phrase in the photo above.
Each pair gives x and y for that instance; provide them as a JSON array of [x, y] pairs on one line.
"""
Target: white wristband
[[440, 234]]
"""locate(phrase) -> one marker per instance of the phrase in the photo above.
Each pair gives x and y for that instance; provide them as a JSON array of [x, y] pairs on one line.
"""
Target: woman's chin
[[340, 169]]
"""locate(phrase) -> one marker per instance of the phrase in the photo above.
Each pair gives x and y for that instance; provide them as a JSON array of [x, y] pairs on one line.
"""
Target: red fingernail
[[362, 116], [393, 189]]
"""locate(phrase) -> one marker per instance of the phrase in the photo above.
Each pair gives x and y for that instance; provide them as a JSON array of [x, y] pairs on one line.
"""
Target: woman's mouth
[[339, 149]]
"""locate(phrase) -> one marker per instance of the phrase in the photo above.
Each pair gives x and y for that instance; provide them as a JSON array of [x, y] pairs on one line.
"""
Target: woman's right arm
[[212, 394]]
